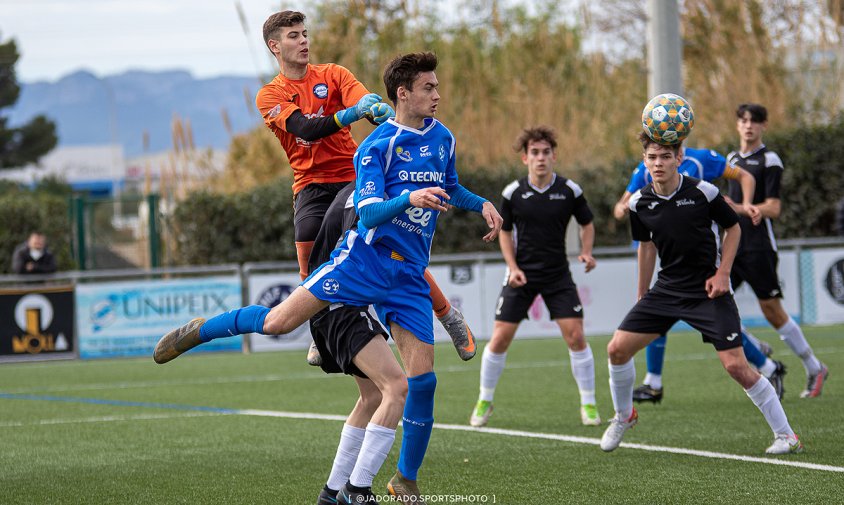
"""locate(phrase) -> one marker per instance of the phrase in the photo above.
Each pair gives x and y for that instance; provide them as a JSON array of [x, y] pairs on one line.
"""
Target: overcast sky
[[56, 37]]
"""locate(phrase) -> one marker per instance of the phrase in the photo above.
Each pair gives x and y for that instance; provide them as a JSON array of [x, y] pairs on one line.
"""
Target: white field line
[[450, 427], [568, 438], [106, 419]]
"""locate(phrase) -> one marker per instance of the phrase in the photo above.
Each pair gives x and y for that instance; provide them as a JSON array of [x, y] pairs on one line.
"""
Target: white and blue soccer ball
[[668, 119]]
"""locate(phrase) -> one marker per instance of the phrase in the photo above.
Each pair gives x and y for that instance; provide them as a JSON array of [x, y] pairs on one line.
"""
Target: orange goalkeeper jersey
[[325, 89]]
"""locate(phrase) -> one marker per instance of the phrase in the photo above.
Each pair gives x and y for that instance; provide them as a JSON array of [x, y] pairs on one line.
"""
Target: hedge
[[257, 225], [44, 209]]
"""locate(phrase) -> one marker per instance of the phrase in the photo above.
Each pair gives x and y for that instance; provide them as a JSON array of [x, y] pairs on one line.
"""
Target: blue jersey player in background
[[708, 165], [405, 172]]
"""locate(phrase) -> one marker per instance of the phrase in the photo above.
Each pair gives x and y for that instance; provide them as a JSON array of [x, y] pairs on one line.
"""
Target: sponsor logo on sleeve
[[367, 189]]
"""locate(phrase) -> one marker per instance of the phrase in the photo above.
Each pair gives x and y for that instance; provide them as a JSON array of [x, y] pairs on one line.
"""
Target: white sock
[[653, 380], [492, 365], [376, 446], [622, 378], [765, 398], [583, 370], [768, 368], [792, 335], [351, 439]]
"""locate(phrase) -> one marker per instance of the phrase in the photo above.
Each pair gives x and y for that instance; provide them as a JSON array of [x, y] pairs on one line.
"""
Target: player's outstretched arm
[[719, 284], [516, 277], [348, 116], [748, 189], [587, 240], [429, 198], [379, 113], [647, 263], [620, 209], [493, 220]]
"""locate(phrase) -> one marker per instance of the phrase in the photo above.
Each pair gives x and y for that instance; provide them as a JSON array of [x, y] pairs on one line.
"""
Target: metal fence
[[122, 312]]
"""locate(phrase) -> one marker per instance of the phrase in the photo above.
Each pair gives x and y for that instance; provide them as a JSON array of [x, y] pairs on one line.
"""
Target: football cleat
[[455, 324], [327, 497], [480, 416], [815, 384], [351, 495], [776, 379], [589, 415], [785, 444], [178, 341], [314, 358], [615, 431], [645, 393], [404, 489]]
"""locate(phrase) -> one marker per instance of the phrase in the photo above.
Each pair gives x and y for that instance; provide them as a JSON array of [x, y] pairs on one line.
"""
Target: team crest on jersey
[[367, 189], [330, 286], [321, 90], [403, 155]]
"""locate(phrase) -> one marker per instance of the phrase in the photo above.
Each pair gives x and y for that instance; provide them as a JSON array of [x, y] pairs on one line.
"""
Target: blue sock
[[655, 354], [234, 322], [754, 356], [417, 423]]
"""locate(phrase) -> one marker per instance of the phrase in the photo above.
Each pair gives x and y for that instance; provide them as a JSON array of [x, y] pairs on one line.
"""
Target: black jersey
[[682, 227], [766, 167], [339, 217], [540, 217]]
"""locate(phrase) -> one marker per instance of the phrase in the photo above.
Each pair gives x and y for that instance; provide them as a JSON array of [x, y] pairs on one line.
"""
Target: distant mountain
[[120, 108]]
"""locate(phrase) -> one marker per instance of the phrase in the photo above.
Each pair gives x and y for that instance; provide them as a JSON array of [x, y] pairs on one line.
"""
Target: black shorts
[[341, 333], [309, 207], [560, 296], [716, 319], [759, 269]]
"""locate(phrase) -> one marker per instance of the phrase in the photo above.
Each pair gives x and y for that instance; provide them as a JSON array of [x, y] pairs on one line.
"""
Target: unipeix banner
[[36, 323], [128, 318]]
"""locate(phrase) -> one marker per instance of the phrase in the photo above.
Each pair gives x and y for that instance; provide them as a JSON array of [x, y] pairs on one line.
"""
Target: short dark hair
[[404, 69], [535, 134], [758, 113], [280, 20], [646, 141]]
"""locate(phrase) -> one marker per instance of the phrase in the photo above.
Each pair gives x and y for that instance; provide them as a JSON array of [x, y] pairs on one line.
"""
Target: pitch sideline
[[450, 427]]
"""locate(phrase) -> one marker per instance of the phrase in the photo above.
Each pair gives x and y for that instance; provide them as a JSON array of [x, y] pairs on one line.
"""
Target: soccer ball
[[668, 119]]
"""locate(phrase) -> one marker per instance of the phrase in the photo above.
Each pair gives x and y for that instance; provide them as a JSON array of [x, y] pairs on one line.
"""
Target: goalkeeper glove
[[348, 116], [380, 112]]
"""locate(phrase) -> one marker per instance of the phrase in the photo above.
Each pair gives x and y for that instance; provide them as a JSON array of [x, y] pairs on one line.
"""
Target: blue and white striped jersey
[[396, 159]]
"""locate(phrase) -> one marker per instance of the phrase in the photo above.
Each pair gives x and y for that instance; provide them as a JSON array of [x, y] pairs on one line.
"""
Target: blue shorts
[[361, 274]]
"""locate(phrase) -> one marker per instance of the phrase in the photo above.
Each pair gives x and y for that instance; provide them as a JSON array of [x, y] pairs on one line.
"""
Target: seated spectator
[[33, 257]]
